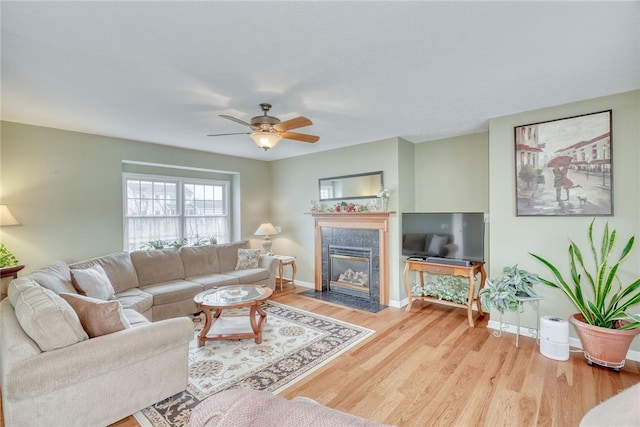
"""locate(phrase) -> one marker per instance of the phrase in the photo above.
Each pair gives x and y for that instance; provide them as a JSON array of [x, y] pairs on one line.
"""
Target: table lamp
[[267, 230], [6, 218]]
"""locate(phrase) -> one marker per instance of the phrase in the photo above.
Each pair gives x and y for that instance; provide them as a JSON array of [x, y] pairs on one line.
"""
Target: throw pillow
[[47, 318], [247, 258], [437, 243], [92, 282], [98, 317]]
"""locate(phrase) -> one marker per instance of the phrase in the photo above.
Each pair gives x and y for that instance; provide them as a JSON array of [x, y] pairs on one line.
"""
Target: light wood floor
[[428, 367]]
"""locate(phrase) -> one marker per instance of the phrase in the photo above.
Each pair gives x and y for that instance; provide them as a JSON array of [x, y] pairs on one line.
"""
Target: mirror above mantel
[[347, 187]]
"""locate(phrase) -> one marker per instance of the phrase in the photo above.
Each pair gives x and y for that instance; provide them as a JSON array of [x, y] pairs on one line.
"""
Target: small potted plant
[[503, 293], [155, 244], [604, 325], [206, 241], [6, 257], [179, 243]]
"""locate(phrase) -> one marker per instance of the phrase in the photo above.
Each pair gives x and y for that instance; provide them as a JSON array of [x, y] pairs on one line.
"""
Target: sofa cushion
[[135, 299], [118, 267], [251, 275], [17, 286], [48, 319], [210, 280], [247, 258], [199, 260], [157, 266], [168, 292], [135, 318], [228, 254], [92, 282], [97, 317], [56, 277]]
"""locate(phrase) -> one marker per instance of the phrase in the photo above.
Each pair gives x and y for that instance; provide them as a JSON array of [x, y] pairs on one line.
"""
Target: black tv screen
[[454, 235]]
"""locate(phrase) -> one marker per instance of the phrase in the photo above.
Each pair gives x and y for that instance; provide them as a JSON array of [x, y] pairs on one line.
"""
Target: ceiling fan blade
[[233, 119], [224, 134], [300, 137], [298, 122]]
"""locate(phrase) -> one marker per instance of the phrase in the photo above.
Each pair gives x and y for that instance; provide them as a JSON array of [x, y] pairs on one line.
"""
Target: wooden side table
[[286, 260], [10, 271], [453, 270]]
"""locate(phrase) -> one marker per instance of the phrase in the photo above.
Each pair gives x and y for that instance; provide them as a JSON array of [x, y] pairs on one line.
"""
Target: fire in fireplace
[[350, 271]]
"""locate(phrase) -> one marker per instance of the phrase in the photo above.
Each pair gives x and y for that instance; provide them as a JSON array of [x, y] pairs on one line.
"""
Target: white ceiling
[[162, 72]]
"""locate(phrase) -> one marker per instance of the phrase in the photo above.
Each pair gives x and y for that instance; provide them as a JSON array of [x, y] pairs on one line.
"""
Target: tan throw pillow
[[93, 282], [247, 258], [98, 317], [48, 319]]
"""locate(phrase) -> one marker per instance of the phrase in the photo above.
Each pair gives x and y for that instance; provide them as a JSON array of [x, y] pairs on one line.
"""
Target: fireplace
[[349, 271], [352, 259]]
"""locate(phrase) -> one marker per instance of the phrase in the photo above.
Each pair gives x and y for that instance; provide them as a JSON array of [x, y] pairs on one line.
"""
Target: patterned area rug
[[294, 344]]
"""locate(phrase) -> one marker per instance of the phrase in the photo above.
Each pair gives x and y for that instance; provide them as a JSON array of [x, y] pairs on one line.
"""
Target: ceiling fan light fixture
[[265, 140]]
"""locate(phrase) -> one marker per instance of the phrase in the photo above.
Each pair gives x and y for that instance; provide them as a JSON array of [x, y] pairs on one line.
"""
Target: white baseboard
[[573, 341], [302, 284]]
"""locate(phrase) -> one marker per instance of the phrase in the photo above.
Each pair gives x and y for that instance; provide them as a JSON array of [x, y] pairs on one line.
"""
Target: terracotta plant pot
[[603, 346]]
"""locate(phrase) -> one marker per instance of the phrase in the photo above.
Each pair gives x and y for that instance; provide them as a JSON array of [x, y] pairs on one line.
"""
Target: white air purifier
[[554, 337]]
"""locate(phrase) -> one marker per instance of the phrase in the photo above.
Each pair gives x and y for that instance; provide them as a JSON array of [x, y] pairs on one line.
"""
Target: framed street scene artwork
[[563, 166]]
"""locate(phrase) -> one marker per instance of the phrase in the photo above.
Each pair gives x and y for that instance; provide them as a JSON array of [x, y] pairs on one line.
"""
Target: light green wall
[[513, 238], [295, 183], [452, 174], [66, 190]]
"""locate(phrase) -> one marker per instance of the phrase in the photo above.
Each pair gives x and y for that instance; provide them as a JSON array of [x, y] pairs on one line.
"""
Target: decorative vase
[[603, 346], [383, 204]]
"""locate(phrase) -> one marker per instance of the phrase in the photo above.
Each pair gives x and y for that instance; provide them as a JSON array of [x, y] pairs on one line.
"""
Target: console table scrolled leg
[[483, 279], [407, 286], [472, 291]]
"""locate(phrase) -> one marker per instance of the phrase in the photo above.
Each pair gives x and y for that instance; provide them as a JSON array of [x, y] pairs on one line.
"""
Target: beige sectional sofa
[[53, 373], [161, 283]]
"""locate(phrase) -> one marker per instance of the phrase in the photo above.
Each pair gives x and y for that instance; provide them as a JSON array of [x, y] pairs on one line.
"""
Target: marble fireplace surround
[[355, 220]]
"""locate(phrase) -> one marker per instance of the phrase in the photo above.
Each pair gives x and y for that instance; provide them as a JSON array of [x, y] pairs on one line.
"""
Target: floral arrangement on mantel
[[344, 207], [349, 207]]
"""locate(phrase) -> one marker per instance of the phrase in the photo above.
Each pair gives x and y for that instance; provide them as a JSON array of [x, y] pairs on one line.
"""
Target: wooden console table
[[453, 270]]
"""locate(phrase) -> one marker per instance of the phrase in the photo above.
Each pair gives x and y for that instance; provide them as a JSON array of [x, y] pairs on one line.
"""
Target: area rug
[[294, 344]]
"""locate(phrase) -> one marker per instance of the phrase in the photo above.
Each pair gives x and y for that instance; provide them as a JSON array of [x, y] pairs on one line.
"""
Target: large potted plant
[[604, 325]]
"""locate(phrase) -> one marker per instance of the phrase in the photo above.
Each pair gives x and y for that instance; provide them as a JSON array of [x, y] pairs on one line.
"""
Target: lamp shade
[[266, 229], [265, 140], [6, 218]]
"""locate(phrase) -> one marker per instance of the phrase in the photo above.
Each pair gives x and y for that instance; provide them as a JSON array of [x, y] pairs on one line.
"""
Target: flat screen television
[[453, 235]]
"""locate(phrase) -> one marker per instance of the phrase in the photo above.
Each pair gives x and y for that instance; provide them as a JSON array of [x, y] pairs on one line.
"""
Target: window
[[171, 209]]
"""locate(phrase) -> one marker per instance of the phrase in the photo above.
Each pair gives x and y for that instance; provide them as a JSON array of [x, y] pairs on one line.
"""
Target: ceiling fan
[[268, 130]]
